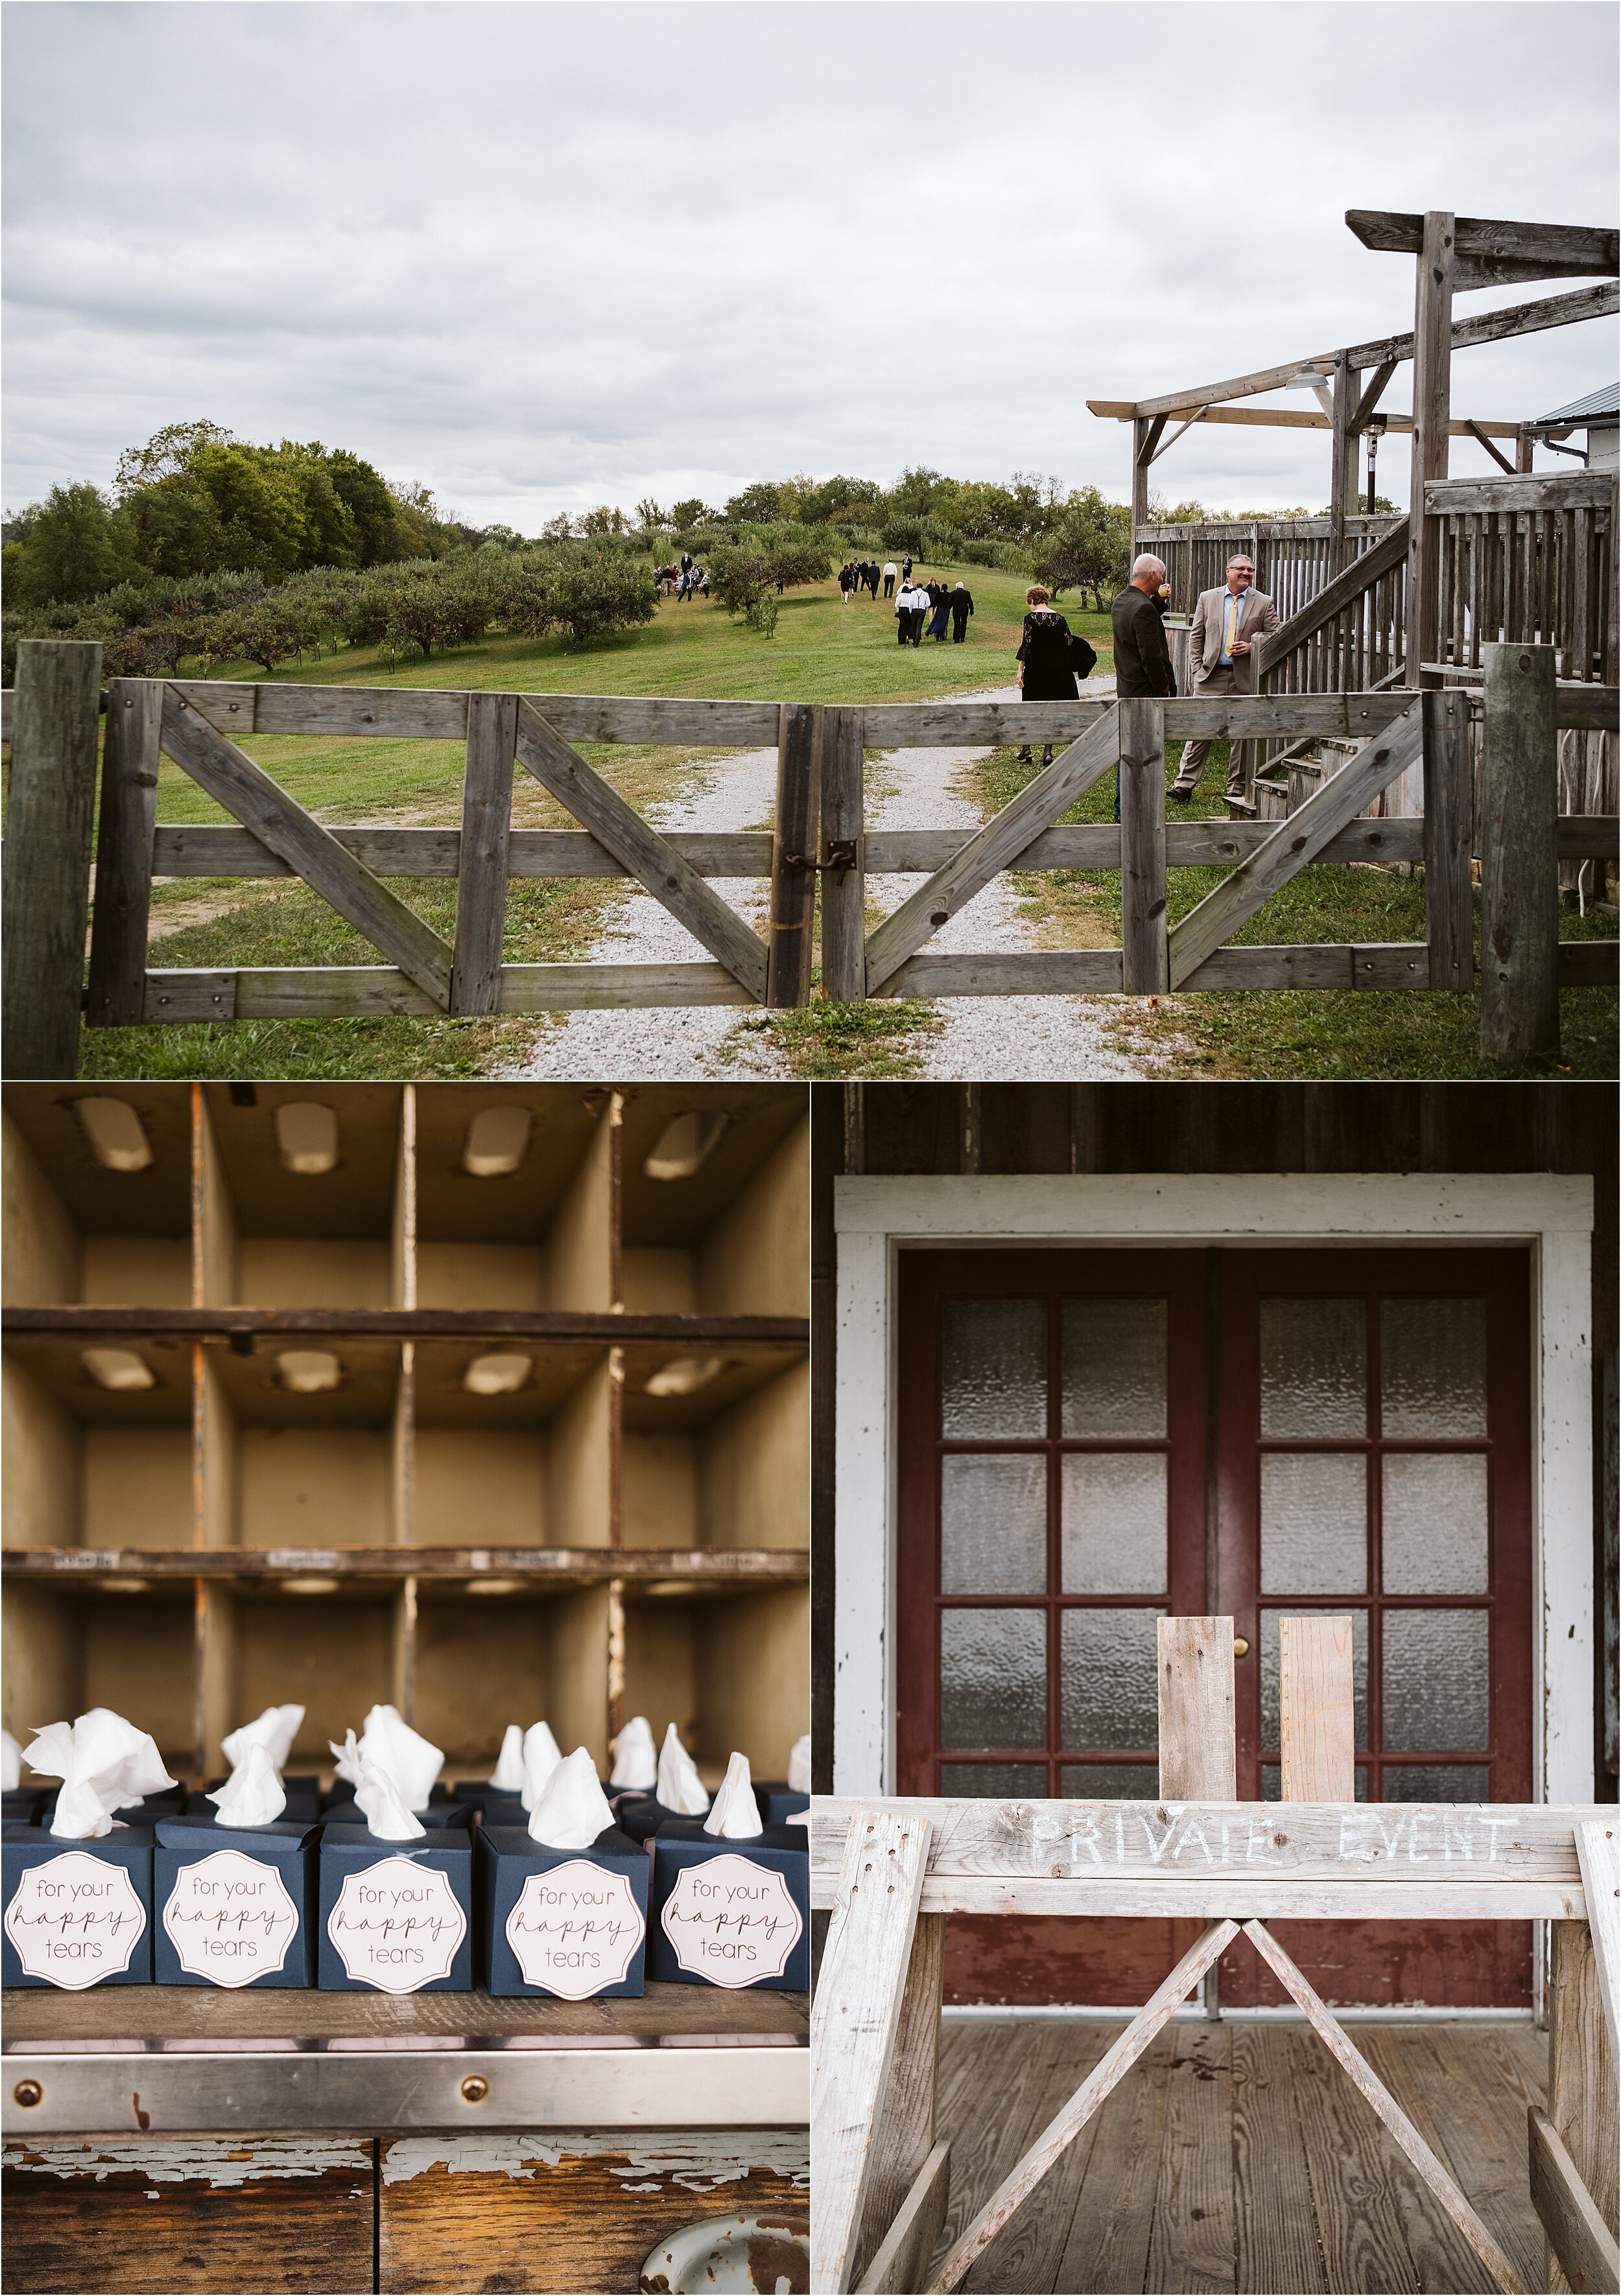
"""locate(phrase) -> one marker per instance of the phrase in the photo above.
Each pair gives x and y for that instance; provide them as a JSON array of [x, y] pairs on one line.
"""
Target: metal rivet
[[28, 2093], [475, 2088]]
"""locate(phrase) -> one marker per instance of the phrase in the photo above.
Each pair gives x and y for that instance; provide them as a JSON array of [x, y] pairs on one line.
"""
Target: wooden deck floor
[[1239, 2158]]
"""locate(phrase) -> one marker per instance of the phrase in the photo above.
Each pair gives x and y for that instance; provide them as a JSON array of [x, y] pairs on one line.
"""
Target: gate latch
[[840, 856]]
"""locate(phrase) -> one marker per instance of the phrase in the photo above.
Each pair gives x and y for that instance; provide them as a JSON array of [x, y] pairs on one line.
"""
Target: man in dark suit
[[1143, 668], [961, 607]]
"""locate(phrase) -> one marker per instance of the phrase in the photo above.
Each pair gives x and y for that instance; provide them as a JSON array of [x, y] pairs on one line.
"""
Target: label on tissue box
[[397, 1926], [731, 1921], [230, 1919], [75, 1920], [575, 1928]]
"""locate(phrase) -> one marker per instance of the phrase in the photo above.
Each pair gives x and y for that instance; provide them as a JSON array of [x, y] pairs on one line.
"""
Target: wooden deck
[[1239, 2158]]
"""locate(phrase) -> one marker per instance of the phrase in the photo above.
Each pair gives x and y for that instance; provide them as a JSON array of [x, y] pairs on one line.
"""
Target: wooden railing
[[1528, 559], [1294, 557]]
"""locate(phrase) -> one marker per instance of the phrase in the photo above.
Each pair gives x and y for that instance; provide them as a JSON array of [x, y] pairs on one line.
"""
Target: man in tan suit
[[1226, 624]]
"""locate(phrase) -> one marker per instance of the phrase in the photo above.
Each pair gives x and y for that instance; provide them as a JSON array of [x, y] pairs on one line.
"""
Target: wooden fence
[[820, 833], [889, 1871]]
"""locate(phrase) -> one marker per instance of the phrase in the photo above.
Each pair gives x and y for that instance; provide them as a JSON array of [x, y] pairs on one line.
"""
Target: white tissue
[[275, 1730], [507, 1776], [104, 1764], [799, 1766], [402, 1752], [541, 1757], [380, 1802], [736, 1814], [635, 1763], [10, 1762], [253, 1794], [347, 1757], [679, 1787], [574, 1810]]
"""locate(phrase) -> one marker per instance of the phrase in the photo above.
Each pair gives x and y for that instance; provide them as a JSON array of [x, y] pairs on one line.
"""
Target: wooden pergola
[[1453, 254]]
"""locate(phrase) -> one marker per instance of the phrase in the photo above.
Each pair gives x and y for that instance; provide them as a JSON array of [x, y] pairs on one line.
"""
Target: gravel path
[[984, 1039]]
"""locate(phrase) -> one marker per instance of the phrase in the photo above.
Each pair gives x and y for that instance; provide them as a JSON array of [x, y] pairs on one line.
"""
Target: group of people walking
[[686, 579], [934, 603]]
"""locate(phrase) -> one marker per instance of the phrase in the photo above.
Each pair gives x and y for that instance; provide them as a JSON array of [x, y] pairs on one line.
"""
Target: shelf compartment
[[728, 1666], [730, 1238]]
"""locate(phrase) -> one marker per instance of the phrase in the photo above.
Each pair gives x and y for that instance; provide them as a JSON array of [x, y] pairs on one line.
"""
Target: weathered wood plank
[[1599, 1855], [1198, 1756], [649, 859], [1438, 2178], [1246, 1895], [902, 2257], [1449, 835], [992, 847], [1112, 2228], [1464, 1845], [1276, 2237], [1333, 805], [1068, 2123], [903, 2131], [233, 780], [1358, 2184], [1578, 2236], [1582, 246], [1435, 2082], [1029, 2251], [430, 714], [1316, 1717], [855, 2022], [124, 853], [89, 1564], [843, 889], [1554, 490], [1519, 1013], [1581, 2096], [337, 992], [180, 994], [266, 2213], [1195, 2235], [1144, 960], [793, 878], [1040, 972], [50, 817], [486, 821], [205, 850], [1211, 844]]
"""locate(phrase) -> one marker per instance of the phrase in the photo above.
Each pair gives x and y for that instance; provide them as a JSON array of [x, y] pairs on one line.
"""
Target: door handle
[[1241, 1648]]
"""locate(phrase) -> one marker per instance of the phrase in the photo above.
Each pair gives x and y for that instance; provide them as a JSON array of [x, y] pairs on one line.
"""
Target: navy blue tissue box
[[742, 1922], [396, 1916], [640, 1815], [21, 1806], [303, 1798], [234, 1906], [571, 1923], [78, 1914], [495, 1805], [169, 1803], [346, 1812], [778, 1805]]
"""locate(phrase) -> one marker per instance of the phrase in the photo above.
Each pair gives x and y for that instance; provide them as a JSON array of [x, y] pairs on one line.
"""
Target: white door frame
[[876, 1219]]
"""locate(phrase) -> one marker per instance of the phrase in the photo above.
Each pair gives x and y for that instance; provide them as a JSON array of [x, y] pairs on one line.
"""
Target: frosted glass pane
[[1313, 1367], [992, 1679], [1439, 1782], [1270, 1727], [992, 1525], [1114, 1513], [995, 1367], [1111, 1781], [1432, 1368], [1435, 1522], [995, 1781], [1115, 1353], [1112, 1680], [1437, 1689], [1271, 1783], [1313, 1522]]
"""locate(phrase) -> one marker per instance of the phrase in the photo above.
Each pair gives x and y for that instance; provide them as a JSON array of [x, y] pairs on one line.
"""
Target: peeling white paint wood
[[701, 2159], [1599, 1854]]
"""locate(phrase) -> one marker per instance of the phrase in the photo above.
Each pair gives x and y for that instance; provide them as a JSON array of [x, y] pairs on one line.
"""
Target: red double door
[[1090, 1440]]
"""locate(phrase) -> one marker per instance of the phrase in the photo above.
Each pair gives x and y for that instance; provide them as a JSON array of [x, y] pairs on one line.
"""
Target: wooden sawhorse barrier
[[890, 1871]]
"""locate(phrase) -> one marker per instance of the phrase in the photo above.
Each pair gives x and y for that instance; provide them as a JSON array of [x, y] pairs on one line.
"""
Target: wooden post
[[124, 854], [487, 823], [1520, 1013], [903, 2136], [1198, 1758], [843, 889], [1141, 452], [1146, 957], [1449, 839], [1342, 477], [1581, 2073], [1523, 451], [48, 830], [1316, 1712], [1432, 349], [793, 883]]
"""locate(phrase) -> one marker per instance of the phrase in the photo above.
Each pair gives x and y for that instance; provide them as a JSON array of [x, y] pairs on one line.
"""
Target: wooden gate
[[889, 1874], [820, 832]]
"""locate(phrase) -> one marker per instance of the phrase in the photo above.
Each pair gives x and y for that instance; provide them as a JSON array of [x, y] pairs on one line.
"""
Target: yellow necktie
[[1231, 629]]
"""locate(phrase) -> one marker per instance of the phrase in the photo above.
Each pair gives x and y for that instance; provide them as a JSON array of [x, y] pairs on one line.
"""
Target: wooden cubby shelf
[[490, 1444]]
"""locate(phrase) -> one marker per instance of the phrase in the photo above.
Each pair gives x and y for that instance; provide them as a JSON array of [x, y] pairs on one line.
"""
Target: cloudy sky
[[543, 256]]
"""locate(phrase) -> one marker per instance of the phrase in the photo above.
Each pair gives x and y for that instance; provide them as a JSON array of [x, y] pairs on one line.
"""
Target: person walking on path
[[907, 567], [1046, 659], [910, 607], [847, 581], [939, 598], [961, 606], [1221, 659], [889, 578], [873, 578]]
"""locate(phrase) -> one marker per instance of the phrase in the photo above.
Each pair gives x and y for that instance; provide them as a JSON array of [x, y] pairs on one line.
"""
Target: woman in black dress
[[1044, 674]]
